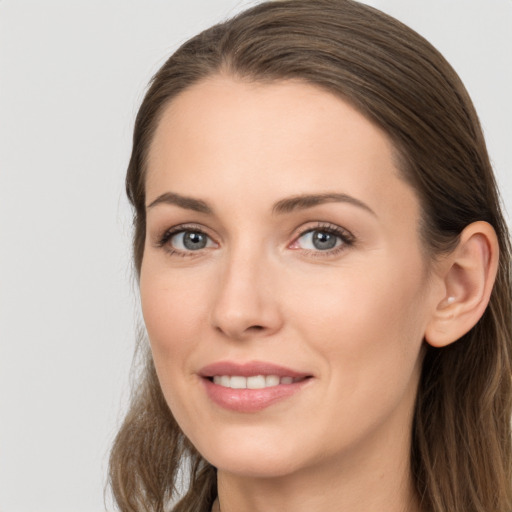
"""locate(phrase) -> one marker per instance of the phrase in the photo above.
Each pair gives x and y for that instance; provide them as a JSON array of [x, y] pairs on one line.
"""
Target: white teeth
[[256, 382], [271, 380], [238, 382], [253, 382], [223, 380]]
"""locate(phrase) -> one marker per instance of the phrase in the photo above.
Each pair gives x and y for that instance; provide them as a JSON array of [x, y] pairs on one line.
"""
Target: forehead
[[270, 140]]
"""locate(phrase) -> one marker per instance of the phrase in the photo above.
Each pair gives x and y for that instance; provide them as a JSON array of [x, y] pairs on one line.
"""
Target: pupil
[[194, 241], [323, 240]]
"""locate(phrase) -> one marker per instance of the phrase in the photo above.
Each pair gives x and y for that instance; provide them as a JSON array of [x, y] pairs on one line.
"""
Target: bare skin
[[337, 288]]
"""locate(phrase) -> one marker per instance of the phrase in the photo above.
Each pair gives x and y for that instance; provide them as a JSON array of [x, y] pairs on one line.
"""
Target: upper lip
[[249, 369]]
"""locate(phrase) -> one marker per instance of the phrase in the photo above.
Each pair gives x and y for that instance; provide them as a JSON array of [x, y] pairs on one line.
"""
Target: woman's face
[[282, 254]]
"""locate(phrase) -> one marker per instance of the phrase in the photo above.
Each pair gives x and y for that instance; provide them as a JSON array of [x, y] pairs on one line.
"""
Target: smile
[[252, 386], [253, 382]]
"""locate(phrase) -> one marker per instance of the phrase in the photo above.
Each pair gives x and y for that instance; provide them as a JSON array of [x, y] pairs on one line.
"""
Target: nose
[[245, 303]]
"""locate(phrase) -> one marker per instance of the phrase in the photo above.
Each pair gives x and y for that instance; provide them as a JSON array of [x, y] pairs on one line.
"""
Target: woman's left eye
[[322, 239]]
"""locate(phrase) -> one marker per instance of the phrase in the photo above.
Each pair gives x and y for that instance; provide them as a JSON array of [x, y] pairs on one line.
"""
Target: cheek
[[174, 313], [369, 337], [368, 327], [174, 309], [379, 298]]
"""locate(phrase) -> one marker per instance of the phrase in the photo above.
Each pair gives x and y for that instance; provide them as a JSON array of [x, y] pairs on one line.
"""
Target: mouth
[[251, 387], [254, 381]]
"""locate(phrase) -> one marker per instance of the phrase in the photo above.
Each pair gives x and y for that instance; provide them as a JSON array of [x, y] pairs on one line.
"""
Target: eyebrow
[[305, 201], [287, 205], [188, 203]]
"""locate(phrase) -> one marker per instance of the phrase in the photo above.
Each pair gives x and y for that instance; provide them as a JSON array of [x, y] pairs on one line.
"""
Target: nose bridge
[[245, 303]]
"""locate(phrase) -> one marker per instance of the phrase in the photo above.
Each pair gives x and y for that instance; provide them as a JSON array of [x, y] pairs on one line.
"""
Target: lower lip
[[250, 400]]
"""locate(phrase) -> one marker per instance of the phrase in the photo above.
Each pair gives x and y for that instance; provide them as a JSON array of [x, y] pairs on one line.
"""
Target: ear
[[467, 277]]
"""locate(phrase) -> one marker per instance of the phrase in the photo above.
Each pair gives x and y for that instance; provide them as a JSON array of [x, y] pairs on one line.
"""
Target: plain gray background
[[72, 74]]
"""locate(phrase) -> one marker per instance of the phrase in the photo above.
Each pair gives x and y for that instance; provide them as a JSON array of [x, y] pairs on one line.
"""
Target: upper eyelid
[[187, 227], [326, 226]]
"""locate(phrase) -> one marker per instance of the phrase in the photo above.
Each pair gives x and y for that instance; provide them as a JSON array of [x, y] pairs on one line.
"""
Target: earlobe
[[467, 276]]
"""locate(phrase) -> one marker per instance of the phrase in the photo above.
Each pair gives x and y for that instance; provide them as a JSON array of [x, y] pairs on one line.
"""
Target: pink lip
[[250, 400], [249, 369]]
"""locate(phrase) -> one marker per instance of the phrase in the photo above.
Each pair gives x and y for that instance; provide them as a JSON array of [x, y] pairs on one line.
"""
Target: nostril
[[255, 328]]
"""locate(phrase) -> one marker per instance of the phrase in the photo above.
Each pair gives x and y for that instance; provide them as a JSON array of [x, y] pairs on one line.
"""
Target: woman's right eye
[[188, 240]]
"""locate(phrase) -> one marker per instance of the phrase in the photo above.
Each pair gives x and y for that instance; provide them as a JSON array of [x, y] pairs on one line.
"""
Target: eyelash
[[347, 239], [162, 242]]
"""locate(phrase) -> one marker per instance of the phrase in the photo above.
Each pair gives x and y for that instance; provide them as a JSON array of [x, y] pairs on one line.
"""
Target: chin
[[253, 454], [249, 467]]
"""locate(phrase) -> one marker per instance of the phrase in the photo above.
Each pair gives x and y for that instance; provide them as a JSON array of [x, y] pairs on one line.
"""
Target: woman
[[324, 275]]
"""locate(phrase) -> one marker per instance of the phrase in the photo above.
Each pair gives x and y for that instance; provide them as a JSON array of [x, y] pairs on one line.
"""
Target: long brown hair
[[461, 454]]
